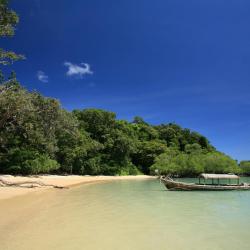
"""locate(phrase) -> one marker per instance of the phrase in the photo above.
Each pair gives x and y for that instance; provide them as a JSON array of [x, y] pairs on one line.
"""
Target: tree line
[[38, 136]]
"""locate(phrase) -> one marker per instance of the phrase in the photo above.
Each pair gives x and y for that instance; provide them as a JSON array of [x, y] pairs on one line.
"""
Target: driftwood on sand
[[26, 184]]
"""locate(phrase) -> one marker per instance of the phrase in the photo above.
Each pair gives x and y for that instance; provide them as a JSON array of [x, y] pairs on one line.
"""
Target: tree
[[35, 129], [8, 22], [98, 123], [194, 148], [177, 137], [145, 132], [75, 147], [245, 167], [1, 77], [146, 154], [181, 164], [216, 162], [139, 120]]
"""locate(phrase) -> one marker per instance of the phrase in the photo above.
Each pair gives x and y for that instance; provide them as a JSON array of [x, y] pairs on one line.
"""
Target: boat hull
[[182, 186]]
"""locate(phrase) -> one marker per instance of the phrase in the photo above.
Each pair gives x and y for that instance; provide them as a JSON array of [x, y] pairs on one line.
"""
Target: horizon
[[169, 61]]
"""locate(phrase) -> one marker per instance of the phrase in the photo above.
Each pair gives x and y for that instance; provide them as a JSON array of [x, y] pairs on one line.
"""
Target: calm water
[[126, 215]]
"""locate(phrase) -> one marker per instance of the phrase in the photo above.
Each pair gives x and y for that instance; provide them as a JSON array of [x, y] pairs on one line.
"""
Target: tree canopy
[[245, 167], [8, 22], [38, 136]]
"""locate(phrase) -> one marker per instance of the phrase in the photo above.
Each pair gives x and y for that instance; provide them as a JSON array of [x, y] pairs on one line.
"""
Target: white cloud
[[78, 70], [42, 76]]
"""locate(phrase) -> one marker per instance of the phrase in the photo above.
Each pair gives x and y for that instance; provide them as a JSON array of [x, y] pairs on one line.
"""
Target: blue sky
[[183, 61]]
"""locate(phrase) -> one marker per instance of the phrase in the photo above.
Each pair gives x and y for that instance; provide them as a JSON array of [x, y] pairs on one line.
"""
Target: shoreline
[[59, 180]]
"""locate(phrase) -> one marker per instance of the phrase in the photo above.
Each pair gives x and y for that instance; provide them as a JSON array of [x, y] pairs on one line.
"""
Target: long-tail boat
[[215, 183]]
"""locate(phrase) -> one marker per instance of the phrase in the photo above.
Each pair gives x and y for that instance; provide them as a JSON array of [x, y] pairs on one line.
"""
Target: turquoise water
[[131, 214]]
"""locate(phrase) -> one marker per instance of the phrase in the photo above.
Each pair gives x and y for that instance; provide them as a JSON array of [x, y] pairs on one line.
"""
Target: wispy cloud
[[42, 76], [78, 69]]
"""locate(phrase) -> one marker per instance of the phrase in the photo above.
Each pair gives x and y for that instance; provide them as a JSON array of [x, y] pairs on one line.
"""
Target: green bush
[[219, 163], [14, 170], [181, 164], [245, 167], [90, 166], [130, 170], [40, 165]]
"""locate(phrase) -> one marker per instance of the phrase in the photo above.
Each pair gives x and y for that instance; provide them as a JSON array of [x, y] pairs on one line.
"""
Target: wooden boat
[[171, 184]]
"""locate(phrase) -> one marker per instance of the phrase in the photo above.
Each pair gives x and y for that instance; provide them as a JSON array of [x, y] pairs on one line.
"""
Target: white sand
[[65, 181]]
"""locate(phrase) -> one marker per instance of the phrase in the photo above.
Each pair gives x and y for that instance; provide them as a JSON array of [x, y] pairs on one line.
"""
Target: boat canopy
[[219, 176]]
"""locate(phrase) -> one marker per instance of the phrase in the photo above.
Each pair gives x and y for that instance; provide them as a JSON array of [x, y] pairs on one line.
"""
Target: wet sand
[[65, 181]]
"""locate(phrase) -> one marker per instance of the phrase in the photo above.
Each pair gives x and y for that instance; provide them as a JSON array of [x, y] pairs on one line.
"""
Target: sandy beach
[[65, 181]]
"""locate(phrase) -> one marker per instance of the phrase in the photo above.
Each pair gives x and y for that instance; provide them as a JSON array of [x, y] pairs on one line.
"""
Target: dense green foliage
[[191, 164], [245, 167], [38, 136], [8, 21]]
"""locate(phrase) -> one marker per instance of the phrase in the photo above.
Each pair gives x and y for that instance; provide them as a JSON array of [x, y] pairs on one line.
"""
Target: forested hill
[[38, 136]]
